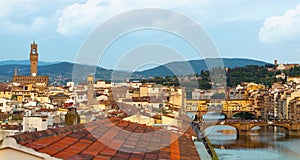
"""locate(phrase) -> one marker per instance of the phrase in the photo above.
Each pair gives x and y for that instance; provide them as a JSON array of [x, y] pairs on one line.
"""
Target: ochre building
[[33, 80]]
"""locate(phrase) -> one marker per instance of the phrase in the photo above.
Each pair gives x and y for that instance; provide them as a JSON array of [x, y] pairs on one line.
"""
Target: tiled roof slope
[[100, 140]]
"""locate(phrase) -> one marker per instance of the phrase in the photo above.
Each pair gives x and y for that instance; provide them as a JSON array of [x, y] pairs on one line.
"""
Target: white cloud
[[29, 16], [16, 8], [82, 17], [79, 17], [34, 27], [284, 28], [70, 17]]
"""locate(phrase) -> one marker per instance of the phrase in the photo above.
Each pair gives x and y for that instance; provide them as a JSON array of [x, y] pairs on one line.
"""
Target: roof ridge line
[[31, 136]]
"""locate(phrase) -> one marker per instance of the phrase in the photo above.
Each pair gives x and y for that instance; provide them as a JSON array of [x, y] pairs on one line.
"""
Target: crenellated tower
[[33, 81], [34, 57]]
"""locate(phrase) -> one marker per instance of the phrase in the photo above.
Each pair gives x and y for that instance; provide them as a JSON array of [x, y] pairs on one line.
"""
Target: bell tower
[[90, 94], [34, 59]]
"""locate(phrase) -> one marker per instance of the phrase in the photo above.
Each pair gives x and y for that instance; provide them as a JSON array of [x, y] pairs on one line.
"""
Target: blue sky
[[262, 30]]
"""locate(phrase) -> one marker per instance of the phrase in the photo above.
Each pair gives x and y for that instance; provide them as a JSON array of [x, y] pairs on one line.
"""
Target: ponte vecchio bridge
[[244, 127], [227, 114]]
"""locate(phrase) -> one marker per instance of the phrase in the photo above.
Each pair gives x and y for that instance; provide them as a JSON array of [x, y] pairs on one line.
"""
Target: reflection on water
[[263, 143]]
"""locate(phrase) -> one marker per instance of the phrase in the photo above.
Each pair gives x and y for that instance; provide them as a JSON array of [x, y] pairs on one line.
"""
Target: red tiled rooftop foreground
[[100, 140]]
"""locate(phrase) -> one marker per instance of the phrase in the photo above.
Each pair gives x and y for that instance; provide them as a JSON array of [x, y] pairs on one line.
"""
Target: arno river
[[268, 143]]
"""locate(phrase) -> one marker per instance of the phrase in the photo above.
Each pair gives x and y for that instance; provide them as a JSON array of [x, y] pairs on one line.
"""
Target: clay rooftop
[[111, 138]]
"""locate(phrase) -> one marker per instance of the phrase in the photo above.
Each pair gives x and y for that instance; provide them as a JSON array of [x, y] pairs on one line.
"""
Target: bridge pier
[[242, 133], [228, 114], [201, 113], [293, 133], [294, 130]]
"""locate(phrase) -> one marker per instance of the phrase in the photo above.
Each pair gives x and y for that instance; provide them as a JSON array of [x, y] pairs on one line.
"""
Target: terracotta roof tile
[[111, 139], [34, 146], [78, 135], [78, 147], [123, 135], [119, 158], [65, 155], [137, 156], [123, 154], [83, 156], [102, 157], [50, 151], [116, 143], [108, 152], [94, 148], [31, 136], [152, 155], [89, 137]]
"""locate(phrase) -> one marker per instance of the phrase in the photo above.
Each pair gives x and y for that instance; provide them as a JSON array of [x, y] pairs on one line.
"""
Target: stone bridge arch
[[244, 128], [235, 126], [285, 126], [214, 125]]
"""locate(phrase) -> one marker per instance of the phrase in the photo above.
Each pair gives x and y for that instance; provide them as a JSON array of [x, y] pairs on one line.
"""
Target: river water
[[267, 143]]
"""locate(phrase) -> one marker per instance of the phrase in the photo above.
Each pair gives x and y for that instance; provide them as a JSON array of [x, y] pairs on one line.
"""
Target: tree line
[[234, 76]]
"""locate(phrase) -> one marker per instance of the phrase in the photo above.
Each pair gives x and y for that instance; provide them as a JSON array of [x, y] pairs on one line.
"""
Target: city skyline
[[149, 79], [262, 31]]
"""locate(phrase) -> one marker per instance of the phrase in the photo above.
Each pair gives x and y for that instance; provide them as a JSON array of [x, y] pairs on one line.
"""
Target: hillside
[[60, 73], [195, 66], [24, 62]]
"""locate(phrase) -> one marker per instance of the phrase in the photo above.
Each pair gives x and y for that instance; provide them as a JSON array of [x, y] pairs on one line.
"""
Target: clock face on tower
[[33, 74]]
